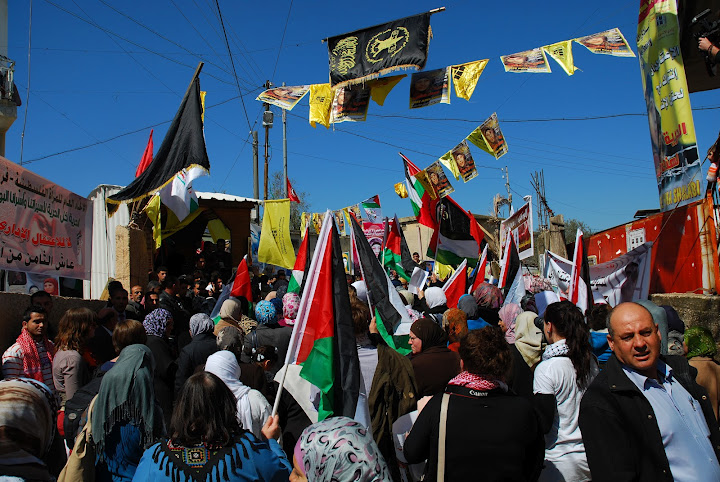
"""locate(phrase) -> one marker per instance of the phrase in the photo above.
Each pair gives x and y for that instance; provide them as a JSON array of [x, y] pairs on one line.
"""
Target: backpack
[[76, 408]]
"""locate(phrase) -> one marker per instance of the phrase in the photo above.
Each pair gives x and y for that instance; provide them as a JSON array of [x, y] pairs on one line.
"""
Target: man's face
[[119, 301], [200, 263], [162, 275], [151, 302], [416, 258], [196, 289], [182, 289], [45, 302], [36, 325], [136, 293], [635, 340]]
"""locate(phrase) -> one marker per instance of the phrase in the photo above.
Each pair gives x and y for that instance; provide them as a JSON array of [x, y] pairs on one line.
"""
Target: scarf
[[201, 323], [291, 305], [468, 304], [265, 313], [340, 448], [156, 322], [488, 296], [528, 338], [700, 342], [660, 319], [559, 348], [429, 333], [126, 396], [435, 296], [474, 382], [508, 314], [31, 359], [224, 365]]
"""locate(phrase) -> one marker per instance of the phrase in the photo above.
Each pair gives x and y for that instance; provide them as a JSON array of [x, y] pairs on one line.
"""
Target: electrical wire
[[192, 25], [282, 39], [27, 91]]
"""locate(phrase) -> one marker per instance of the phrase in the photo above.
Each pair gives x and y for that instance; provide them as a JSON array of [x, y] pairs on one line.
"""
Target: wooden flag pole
[[434, 10]]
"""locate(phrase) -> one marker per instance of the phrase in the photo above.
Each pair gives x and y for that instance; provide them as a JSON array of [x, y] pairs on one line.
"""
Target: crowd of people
[[158, 390]]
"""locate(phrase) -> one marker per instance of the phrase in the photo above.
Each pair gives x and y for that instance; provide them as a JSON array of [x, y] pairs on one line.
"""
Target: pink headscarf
[[508, 313], [291, 305]]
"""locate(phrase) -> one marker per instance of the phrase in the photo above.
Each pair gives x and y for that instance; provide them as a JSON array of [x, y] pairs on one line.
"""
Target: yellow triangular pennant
[[448, 161], [401, 190], [380, 88], [562, 53], [478, 139], [465, 77]]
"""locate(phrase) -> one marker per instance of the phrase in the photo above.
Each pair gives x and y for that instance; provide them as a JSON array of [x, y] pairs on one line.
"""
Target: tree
[[276, 190], [571, 227]]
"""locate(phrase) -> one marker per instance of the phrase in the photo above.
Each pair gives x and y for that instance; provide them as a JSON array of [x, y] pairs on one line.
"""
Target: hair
[[74, 327], [168, 282], [360, 316], [416, 253], [596, 316], [185, 280], [265, 353], [128, 332], [113, 286], [33, 309], [206, 412], [567, 320], [485, 352], [39, 294], [152, 285], [215, 275], [117, 290], [162, 268]]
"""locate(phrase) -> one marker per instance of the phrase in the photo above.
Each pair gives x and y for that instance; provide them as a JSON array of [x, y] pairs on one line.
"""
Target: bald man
[[644, 417]]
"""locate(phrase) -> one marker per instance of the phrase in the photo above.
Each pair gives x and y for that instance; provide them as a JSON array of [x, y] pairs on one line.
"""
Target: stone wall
[[703, 310]]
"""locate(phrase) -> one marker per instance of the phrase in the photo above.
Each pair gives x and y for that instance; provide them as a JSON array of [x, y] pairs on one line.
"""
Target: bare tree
[[276, 190]]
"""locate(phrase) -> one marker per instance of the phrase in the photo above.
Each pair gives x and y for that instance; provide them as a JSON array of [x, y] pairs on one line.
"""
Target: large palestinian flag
[[458, 236], [422, 203]]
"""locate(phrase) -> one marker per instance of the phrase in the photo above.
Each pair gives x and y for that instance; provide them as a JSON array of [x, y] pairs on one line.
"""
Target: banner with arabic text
[[521, 225], [44, 228], [375, 233], [350, 104]]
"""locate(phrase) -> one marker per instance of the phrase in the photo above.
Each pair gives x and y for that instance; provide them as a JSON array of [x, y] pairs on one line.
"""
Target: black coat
[[493, 436], [164, 376], [192, 356], [621, 436], [434, 367]]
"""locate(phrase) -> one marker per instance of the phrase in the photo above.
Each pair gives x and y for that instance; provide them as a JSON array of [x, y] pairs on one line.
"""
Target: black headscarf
[[429, 332]]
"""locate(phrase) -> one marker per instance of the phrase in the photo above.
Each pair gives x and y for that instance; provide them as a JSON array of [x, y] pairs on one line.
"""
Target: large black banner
[[367, 53]]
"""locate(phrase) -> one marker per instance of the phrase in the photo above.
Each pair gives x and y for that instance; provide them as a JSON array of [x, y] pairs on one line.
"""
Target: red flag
[[578, 289], [291, 192], [146, 158], [241, 283], [479, 272], [454, 287]]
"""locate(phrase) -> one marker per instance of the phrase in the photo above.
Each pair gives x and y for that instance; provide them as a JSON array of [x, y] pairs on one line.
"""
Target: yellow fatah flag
[[202, 103], [321, 98], [562, 53], [478, 139], [465, 77], [304, 218], [380, 88], [152, 209], [401, 190], [443, 270], [346, 213], [275, 245], [448, 161]]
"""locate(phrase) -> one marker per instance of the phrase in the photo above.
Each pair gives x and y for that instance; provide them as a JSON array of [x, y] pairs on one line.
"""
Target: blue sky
[[89, 85]]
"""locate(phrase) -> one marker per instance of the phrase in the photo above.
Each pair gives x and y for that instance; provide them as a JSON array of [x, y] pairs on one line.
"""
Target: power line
[[196, 30], [282, 39], [27, 92]]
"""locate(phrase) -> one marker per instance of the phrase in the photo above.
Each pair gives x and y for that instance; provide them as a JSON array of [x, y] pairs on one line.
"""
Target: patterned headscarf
[[265, 313], [700, 342], [32, 368], [27, 406], [508, 313], [488, 296], [201, 323], [278, 304], [291, 305], [340, 448], [156, 322]]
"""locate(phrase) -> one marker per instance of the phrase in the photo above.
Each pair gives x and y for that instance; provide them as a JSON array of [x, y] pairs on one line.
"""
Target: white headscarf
[[361, 290], [224, 365], [435, 296]]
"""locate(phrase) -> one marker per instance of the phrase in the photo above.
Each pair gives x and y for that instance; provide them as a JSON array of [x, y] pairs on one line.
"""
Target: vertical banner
[[374, 232], [521, 225], [672, 131], [44, 228]]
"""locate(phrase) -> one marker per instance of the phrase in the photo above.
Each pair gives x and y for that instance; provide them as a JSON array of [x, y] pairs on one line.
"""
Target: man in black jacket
[[644, 417]]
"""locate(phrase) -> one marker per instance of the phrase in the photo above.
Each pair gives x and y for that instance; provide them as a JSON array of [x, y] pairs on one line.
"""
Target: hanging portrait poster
[[429, 88], [493, 136], [521, 226], [532, 61], [375, 233], [340, 221], [609, 42], [350, 104], [284, 97], [462, 157], [438, 180]]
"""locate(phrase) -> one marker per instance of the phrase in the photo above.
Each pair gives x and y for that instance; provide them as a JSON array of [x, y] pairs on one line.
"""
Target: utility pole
[[285, 175], [256, 186], [507, 186], [267, 123]]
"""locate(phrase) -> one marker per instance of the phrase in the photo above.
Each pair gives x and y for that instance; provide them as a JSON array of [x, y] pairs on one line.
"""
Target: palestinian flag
[[390, 314], [323, 339], [396, 254], [579, 291], [423, 205], [455, 286], [458, 235], [372, 209], [238, 285], [479, 273], [302, 264], [511, 281]]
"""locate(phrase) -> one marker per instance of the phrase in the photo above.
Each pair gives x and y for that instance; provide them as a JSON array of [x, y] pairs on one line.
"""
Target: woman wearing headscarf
[[508, 314], [433, 363], [291, 305], [528, 338], [233, 312], [125, 419], [489, 299], [338, 448], [202, 344], [701, 349], [27, 425], [232, 339], [252, 407], [455, 323], [520, 378], [207, 443], [432, 303], [491, 433], [468, 304], [158, 324], [268, 332]]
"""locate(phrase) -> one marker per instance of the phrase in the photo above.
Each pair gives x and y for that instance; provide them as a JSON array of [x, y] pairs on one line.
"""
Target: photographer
[[712, 50]]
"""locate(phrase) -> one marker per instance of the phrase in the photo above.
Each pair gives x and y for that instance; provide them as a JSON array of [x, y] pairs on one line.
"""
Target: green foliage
[[571, 227]]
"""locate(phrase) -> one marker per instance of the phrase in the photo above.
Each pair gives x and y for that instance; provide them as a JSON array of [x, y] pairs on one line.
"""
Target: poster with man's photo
[[438, 180], [350, 104], [284, 97], [463, 159], [609, 42], [490, 130], [429, 87], [530, 61]]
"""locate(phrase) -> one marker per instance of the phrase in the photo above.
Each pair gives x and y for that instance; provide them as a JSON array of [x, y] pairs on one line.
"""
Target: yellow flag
[[443, 270], [346, 212], [321, 98], [478, 139], [380, 88], [465, 77], [425, 183], [401, 190], [317, 220], [304, 218], [448, 161], [152, 209], [562, 53], [202, 103], [275, 245]]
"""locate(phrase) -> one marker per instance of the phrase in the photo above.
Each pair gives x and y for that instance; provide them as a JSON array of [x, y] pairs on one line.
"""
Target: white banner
[[521, 225], [625, 278]]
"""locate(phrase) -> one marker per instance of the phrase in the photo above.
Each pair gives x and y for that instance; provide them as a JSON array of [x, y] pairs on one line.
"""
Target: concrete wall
[[703, 310], [15, 304]]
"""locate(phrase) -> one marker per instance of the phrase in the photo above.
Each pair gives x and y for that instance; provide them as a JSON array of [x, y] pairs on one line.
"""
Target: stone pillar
[[132, 257]]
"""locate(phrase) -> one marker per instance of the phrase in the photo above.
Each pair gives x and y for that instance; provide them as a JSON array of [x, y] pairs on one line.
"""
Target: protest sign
[[350, 104], [609, 42], [428, 88], [521, 225], [375, 233], [533, 61], [284, 97]]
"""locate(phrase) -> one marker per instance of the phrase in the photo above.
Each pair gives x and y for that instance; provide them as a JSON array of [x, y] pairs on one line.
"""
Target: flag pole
[[434, 10]]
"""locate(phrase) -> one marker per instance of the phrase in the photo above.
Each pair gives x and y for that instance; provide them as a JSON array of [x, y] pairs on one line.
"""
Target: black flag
[[364, 54]]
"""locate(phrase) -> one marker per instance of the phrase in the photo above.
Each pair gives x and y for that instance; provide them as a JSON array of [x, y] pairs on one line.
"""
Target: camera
[[703, 27]]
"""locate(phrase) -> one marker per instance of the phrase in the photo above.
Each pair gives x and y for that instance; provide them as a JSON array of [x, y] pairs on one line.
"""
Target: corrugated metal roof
[[218, 196]]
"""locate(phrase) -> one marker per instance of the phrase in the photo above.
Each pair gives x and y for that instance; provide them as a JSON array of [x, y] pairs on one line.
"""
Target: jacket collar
[[616, 377]]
